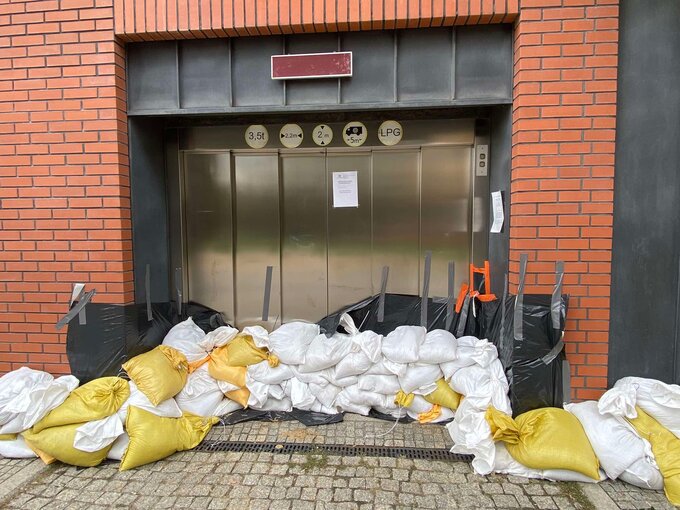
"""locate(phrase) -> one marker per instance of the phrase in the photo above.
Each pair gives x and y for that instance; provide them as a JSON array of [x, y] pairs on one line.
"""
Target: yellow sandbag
[[404, 399], [92, 401], [444, 395], [666, 449], [240, 396], [242, 352], [47, 459], [220, 369], [8, 437], [430, 415], [160, 373], [548, 438], [153, 437], [57, 442]]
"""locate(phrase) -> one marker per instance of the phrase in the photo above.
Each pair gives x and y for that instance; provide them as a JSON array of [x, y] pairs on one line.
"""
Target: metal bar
[[451, 300], [383, 289], [505, 298], [267, 293], [147, 291], [566, 381], [519, 300], [426, 288], [462, 320], [556, 303], [178, 289]]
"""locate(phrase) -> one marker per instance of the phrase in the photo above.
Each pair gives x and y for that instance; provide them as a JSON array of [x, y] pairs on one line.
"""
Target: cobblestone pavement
[[300, 481]]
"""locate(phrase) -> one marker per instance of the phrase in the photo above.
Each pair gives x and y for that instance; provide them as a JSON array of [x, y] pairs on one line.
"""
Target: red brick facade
[[64, 183]]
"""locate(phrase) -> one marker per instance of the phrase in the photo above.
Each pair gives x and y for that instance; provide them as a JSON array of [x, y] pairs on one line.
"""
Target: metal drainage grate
[[333, 449]]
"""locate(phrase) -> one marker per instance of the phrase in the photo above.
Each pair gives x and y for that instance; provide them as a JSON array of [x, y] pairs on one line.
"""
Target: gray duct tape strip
[[267, 293], [451, 301], [462, 321], [383, 289], [554, 352], [505, 297], [147, 292], [519, 300], [77, 310], [178, 289], [566, 382], [426, 289], [556, 304]]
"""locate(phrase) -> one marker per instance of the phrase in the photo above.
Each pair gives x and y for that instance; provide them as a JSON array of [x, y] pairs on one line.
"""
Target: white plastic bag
[[290, 341], [439, 346], [259, 334], [218, 337], [354, 363], [660, 400], [16, 449], [483, 386], [227, 406], [273, 404], [643, 474], [225, 387], [98, 434], [365, 398], [119, 446], [321, 378], [27, 395], [324, 352], [260, 393], [186, 337], [167, 409], [267, 374], [370, 343], [402, 344], [300, 395], [384, 384], [420, 378], [471, 435], [344, 403], [471, 351], [201, 394], [326, 395], [420, 405]]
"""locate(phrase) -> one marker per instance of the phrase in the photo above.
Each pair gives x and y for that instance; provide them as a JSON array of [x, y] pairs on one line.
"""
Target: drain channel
[[333, 449]]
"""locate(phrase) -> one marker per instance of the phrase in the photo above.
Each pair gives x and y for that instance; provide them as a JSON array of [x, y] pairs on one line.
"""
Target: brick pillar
[[563, 166], [64, 183]]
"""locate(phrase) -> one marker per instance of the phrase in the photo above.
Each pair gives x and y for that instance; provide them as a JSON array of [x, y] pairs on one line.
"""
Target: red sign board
[[312, 65]]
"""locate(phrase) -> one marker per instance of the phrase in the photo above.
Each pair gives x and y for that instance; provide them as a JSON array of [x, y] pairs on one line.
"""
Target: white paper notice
[[498, 215], [345, 191]]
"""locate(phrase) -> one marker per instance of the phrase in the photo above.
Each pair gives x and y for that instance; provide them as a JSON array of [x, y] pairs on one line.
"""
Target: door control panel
[[482, 160]]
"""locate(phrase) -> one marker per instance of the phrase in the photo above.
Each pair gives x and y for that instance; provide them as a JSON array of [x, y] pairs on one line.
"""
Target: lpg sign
[[390, 132]]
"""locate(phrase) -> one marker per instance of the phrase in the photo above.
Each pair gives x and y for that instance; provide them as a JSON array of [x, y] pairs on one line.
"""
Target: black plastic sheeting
[[307, 418], [535, 381], [115, 333]]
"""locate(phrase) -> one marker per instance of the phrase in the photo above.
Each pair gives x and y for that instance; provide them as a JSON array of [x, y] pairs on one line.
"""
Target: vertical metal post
[[267, 293], [147, 292], [383, 289], [426, 288], [178, 289], [451, 301]]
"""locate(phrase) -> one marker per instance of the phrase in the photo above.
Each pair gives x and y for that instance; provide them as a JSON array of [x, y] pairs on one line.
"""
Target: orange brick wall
[[564, 120], [64, 186]]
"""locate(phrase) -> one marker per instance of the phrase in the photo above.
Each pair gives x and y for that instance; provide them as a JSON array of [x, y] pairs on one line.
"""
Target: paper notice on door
[[345, 190], [498, 215]]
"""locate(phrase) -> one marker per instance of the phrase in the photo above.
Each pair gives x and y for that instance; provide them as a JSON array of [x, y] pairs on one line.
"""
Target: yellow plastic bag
[[444, 396], [666, 449], [160, 373], [8, 437], [220, 369], [430, 415], [240, 396], [404, 399], [242, 352], [57, 442], [153, 438], [92, 401], [548, 438]]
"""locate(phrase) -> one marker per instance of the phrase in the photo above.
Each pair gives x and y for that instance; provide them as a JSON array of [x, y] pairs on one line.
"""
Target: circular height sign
[[322, 135], [257, 136]]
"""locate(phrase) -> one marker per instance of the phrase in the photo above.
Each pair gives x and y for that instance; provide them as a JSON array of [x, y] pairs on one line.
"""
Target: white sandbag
[[614, 441], [300, 395], [318, 407], [658, 399], [273, 404], [321, 378], [505, 464], [326, 395], [345, 404], [225, 387], [384, 384], [439, 346], [643, 474], [267, 374], [226, 406], [119, 446], [471, 351], [370, 343], [402, 344], [166, 409], [379, 367], [186, 337], [365, 398], [16, 449], [420, 378], [324, 352], [201, 394], [619, 401], [348, 325], [261, 392], [27, 395], [471, 435], [96, 435], [343, 382], [396, 412], [354, 363], [259, 334], [420, 405], [218, 337], [483, 386], [290, 341]]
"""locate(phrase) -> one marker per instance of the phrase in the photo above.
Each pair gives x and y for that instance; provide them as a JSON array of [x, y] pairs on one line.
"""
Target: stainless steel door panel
[[396, 219], [208, 227], [445, 213], [256, 186], [303, 237], [349, 234]]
